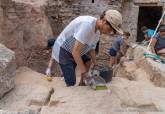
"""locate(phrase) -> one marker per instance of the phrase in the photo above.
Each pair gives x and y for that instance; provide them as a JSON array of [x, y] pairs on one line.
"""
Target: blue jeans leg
[[69, 73]]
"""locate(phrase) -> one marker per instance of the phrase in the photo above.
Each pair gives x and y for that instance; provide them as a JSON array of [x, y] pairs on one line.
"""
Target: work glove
[[48, 72]]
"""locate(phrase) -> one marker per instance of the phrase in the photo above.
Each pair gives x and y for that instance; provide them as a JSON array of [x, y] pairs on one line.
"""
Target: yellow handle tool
[[49, 78]]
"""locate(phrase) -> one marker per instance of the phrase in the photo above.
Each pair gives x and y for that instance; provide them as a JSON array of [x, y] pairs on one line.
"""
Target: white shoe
[[62, 78]]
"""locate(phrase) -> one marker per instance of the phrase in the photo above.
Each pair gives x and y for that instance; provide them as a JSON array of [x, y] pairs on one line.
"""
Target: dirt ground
[[38, 60], [39, 57]]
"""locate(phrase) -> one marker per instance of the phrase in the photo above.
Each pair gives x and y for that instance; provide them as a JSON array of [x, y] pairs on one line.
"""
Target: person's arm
[[153, 43], [146, 37], [51, 61], [92, 54], [122, 50], [77, 57], [77, 49], [122, 43], [50, 64]]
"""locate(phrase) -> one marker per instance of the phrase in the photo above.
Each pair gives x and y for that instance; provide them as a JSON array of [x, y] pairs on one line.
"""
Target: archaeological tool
[[161, 19], [99, 83], [49, 78], [98, 77], [96, 83], [148, 54]]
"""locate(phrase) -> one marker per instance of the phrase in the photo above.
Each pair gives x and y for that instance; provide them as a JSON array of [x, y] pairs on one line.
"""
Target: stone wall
[[61, 12], [96, 8], [23, 25], [130, 18], [66, 10], [7, 70], [130, 13]]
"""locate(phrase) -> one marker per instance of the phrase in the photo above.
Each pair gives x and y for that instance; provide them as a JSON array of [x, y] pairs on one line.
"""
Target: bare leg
[[51, 62], [163, 55], [161, 52], [113, 60]]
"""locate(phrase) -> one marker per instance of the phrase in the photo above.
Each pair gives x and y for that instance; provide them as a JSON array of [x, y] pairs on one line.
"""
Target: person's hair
[[144, 28], [97, 47], [50, 43], [127, 34], [162, 28], [102, 17]]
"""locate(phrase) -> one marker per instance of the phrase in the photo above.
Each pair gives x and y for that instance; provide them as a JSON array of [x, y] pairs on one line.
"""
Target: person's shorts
[[158, 49], [112, 52]]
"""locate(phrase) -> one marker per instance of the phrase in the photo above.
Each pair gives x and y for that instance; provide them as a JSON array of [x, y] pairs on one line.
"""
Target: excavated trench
[[133, 86], [29, 24], [38, 60]]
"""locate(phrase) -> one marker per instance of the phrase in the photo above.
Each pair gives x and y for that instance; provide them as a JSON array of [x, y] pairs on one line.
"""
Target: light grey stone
[[27, 111], [7, 70]]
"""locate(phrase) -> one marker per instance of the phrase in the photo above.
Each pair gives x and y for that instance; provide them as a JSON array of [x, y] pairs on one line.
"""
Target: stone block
[[7, 70]]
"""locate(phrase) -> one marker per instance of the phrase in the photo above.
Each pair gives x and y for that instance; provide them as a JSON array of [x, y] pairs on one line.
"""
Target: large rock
[[143, 96], [31, 91], [131, 71], [126, 70], [155, 70], [138, 81], [7, 70], [136, 52], [142, 67]]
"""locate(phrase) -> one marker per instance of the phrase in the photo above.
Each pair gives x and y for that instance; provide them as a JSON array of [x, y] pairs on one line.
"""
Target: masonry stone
[[7, 70]]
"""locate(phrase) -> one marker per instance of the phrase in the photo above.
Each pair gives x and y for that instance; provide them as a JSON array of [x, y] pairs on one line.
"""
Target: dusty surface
[[31, 90], [27, 111], [34, 91], [38, 60], [132, 91], [123, 96], [138, 87]]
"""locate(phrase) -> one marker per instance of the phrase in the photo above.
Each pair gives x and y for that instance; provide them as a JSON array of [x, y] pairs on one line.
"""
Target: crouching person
[[118, 46], [158, 42], [148, 33], [79, 38], [52, 63]]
